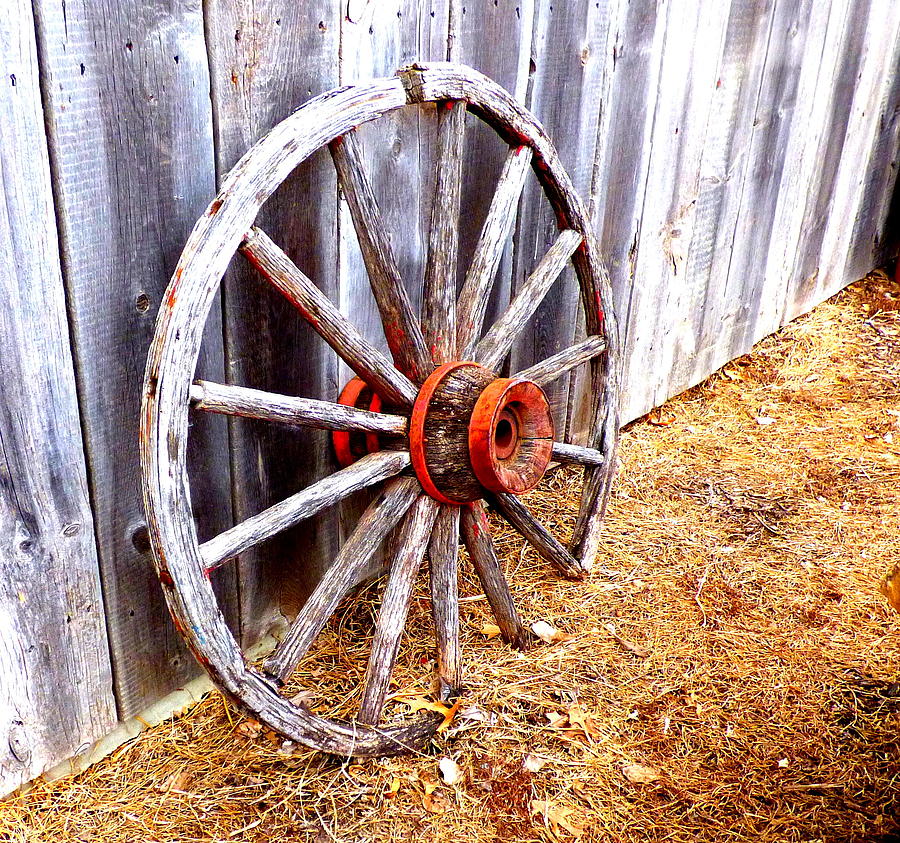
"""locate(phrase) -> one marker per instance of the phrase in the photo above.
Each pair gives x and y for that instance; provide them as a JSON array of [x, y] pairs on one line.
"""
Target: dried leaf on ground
[[451, 773], [533, 763], [636, 649], [549, 633], [556, 817], [639, 773]]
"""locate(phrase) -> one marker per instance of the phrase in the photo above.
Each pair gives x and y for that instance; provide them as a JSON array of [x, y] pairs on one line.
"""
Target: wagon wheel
[[456, 433]]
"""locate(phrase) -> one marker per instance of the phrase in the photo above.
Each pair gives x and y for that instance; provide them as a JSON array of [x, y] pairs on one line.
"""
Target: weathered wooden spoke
[[401, 327], [439, 292], [537, 535], [476, 533], [356, 351], [368, 471], [495, 345], [471, 435], [473, 299], [443, 552], [309, 412], [411, 547], [547, 371], [563, 452], [381, 516]]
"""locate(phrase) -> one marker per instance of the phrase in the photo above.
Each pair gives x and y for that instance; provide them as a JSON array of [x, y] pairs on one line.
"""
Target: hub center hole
[[504, 434]]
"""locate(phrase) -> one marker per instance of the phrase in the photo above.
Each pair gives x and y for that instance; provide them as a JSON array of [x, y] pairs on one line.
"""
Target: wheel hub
[[469, 432]]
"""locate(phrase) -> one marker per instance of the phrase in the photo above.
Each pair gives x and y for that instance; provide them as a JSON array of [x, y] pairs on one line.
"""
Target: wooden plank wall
[[129, 123], [738, 159], [55, 676]]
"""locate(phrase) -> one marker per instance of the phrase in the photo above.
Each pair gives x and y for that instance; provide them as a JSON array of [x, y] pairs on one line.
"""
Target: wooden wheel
[[456, 434]]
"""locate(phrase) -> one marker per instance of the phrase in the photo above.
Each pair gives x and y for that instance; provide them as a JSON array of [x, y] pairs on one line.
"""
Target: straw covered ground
[[737, 679]]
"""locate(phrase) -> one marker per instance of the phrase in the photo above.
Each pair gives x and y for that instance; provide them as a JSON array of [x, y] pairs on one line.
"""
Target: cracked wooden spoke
[[577, 454], [401, 327], [496, 343], [394, 606], [549, 370], [472, 303], [439, 293], [356, 351], [476, 534], [327, 492], [373, 526], [537, 535], [443, 553], [269, 406]]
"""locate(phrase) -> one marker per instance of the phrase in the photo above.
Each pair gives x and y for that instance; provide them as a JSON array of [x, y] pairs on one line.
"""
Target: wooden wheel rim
[[176, 346]]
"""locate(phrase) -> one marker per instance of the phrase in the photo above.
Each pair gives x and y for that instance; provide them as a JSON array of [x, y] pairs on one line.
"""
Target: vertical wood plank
[[801, 169], [565, 92], [659, 316], [495, 39], [55, 673], [868, 242], [399, 150], [129, 120], [267, 58], [872, 85], [633, 61], [768, 144], [839, 77]]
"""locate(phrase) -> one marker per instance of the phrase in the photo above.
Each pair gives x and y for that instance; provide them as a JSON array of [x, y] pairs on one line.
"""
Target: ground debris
[[737, 680]]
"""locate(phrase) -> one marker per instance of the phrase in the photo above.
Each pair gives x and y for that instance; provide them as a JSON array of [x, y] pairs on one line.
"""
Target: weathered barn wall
[[738, 157]]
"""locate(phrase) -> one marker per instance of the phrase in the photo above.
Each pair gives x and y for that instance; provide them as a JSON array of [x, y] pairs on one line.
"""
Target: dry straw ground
[[738, 679]]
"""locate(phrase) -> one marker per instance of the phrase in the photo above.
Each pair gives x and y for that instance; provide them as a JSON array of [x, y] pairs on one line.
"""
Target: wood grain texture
[[537, 535], [398, 321], [322, 494], [563, 452], [288, 409], [476, 534], [439, 290], [398, 151], [475, 31], [568, 48], [55, 675], [129, 118], [553, 367], [373, 527], [443, 553], [411, 545], [324, 317], [496, 343], [473, 299], [688, 67], [267, 57]]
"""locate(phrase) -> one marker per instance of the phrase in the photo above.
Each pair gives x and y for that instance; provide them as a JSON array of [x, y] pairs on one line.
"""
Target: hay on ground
[[737, 680]]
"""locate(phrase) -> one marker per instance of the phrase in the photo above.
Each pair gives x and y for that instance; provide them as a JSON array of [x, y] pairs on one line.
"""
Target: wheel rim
[[183, 565]]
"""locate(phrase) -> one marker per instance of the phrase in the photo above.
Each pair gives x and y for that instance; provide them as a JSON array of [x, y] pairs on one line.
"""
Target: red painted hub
[[511, 436], [349, 447], [469, 432]]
